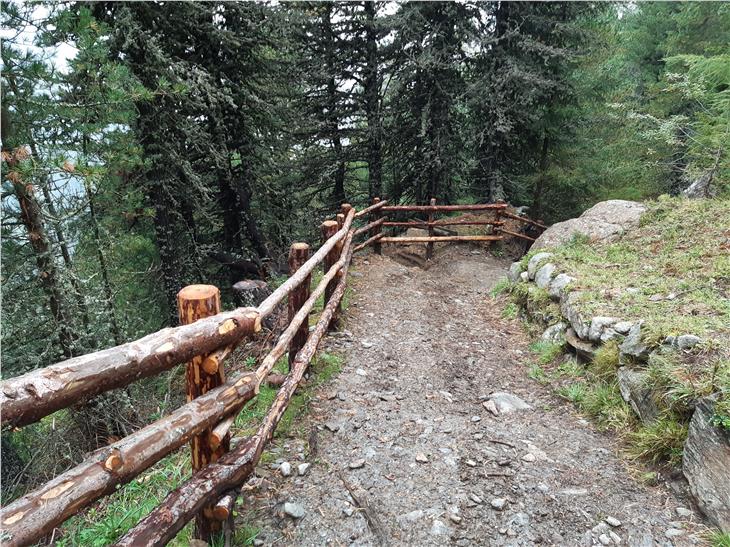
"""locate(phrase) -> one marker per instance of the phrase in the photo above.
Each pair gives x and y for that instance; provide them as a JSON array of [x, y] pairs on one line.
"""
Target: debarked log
[[165, 521], [442, 208], [33, 516], [374, 207], [28, 398], [436, 239]]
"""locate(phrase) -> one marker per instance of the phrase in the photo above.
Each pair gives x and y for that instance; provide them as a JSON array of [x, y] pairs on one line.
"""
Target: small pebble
[[302, 468], [615, 537], [673, 533], [294, 510], [529, 457], [285, 469], [456, 519], [475, 498], [613, 522], [421, 458], [604, 539], [471, 463], [475, 419], [357, 464], [498, 503], [684, 512]]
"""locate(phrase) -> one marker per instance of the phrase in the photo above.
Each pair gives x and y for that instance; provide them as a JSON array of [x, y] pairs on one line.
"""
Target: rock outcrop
[[706, 465], [636, 391], [604, 221]]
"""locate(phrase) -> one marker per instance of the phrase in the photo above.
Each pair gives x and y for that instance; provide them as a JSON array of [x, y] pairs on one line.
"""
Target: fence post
[[196, 302], [431, 232], [497, 228], [376, 229], [329, 228], [298, 255]]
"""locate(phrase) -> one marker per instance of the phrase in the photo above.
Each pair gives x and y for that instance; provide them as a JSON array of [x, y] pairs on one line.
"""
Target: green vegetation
[[677, 262], [659, 441], [720, 539], [116, 514]]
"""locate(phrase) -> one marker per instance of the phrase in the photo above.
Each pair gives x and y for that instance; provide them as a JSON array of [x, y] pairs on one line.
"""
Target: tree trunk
[[372, 103], [541, 180]]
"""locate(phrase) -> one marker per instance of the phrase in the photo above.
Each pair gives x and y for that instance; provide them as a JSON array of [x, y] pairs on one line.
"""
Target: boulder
[[569, 308], [585, 351], [687, 341], [558, 284], [535, 262], [633, 345], [544, 275], [598, 325], [555, 333], [706, 465], [635, 390], [514, 272], [604, 221]]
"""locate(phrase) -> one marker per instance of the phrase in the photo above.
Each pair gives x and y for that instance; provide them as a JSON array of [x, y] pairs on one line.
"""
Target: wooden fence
[[204, 340]]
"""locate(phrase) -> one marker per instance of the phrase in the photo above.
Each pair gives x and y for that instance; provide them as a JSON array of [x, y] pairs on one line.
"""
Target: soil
[[403, 450]]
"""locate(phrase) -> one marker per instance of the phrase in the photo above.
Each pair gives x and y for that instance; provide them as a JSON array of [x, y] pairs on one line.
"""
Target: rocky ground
[[433, 434]]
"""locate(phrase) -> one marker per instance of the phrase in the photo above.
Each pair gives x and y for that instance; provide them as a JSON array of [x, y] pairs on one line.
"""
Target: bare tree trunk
[[372, 103]]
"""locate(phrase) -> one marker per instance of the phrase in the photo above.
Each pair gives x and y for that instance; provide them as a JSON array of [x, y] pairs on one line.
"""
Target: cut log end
[[197, 292]]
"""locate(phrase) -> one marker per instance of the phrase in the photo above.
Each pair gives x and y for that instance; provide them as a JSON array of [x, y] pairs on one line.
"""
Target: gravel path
[[406, 426]]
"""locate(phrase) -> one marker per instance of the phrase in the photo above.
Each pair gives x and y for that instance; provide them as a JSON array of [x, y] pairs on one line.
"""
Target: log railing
[[205, 339]]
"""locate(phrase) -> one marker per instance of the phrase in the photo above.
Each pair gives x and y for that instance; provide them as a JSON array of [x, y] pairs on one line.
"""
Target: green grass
[[660, 441], [546, 352], [575, 393], [720, 539], [680, 249], [115, 514]]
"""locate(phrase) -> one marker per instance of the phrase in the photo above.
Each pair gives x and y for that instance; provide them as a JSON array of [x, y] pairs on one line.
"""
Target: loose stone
[[357, 464], [285, 469], [613, 521], [294, 510], [498, 503]]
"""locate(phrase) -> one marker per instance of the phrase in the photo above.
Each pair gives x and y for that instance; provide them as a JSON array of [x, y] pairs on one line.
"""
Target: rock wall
[[707, 449]]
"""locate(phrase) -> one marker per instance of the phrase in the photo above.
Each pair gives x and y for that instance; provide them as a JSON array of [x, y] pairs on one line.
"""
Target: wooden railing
[[204, 340]]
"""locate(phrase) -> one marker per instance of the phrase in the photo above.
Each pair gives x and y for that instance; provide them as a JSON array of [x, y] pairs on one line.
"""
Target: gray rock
[[688, 341], [357, 464], [294, 510], [555, 333], [515, 270], [604, 539], [613, 521], [603, 222], [623, 327], [705, 465], [633, 345], [597, 325], [635, 390], [302, 468], [524, 277], [413, 516], [438, 528], [609, 334], [544, 275], [498, 503], [535, 262], [569, 308], [558, 284], [673, 533], [506, 402], [584, 350], [684, 512], [285, 469]]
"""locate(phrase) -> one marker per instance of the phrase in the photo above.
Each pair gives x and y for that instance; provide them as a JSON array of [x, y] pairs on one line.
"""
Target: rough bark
[[329, 228], [437, 239], [33, 516], [28, 398], [298, 255], [441, 208], [429, 246], [197, 302], [377, 204], [164, 522]]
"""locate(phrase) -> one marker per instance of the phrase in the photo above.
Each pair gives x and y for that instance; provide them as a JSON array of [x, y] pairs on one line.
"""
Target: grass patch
[[575, 393], [676, 260], [720, 539], [546, 352], [502, 286], [510, 311], [606, 361], [662, 440]]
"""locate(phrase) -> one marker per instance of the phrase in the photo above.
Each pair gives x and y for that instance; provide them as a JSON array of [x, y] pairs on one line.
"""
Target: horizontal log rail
[[368, 241], [438, 239], [515, 234], [437, 223], [28, 398], [374, 207], [524, 219], [166, 520], [370, 226], [442, 208]]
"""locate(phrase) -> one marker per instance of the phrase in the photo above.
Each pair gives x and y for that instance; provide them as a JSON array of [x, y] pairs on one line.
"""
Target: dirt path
[[404, 424]]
